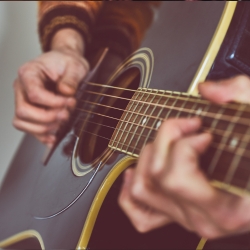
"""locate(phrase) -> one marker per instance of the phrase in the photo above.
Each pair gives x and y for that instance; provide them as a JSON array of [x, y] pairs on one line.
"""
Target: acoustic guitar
[[66, 198]]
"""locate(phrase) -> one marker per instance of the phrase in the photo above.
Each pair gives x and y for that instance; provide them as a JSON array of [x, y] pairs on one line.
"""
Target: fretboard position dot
[[233, 142], [158, 124], [144, 121], [199, 111]]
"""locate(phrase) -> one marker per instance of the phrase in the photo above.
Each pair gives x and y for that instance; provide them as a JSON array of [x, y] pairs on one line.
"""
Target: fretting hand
[[167, 184], [40, 111]]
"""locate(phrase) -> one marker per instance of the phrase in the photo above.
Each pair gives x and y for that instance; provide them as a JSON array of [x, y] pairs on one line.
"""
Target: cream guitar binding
[[164, 72]]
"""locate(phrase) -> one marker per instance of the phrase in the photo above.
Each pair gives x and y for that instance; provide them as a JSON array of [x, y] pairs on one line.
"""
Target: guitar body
[[56, 206]]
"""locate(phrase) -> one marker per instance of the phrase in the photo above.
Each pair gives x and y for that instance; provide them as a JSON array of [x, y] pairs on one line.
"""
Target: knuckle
[[208, 233], [242, 82], [157, 168], [142, 227], [23, 70], [33, 95], [137, 190], [21, 112]]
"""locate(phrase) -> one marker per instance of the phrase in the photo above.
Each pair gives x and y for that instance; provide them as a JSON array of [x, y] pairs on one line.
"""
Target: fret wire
[[217, 131], [206, 110], [244, 121], [214, 145], [230, 105], [223, 147], [218, 153], [193, 108], [154, 122], [144, 126], [170, 110], [182, 107], [237, 157], [138, 124], [116, 130], [132, 113], [226, 135], [218, 145], [247, 152], [125, 116]]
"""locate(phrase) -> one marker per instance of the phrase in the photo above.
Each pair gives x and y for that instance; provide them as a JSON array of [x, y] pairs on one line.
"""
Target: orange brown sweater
[[119, 25]]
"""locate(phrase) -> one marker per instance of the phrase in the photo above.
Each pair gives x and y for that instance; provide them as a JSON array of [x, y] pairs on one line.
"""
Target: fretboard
[[228, 157]]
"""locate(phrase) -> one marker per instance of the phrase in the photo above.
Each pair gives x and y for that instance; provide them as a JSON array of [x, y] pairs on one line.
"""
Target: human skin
[[39, 111], [168, 186], [159, 190]]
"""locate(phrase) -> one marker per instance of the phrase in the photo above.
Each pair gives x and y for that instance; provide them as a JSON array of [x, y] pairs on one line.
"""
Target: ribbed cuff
[[64, 17]]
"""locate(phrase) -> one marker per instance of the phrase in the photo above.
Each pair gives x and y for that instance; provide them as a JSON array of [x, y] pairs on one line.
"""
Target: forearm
[[74, 15], [68, 40]]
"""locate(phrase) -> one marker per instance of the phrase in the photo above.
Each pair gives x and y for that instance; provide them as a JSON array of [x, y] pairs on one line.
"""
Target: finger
[[229, 212], [170, 131], [145, 189], [142, 217], [197, 143], [73, 75], [27, 112], [32, 84], [35, 129], [49, 140], [233, 89], [184, 175]]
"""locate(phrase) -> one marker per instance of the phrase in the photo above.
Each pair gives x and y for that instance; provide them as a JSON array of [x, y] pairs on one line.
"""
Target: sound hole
[[98, 129]]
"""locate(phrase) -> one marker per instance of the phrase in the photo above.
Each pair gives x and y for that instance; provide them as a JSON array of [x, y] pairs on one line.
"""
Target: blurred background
[[18, 44]]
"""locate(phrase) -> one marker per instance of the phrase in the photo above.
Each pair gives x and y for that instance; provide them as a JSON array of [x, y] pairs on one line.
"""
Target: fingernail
[[67, 88], [62, 115], [52, 138], [194, 121]]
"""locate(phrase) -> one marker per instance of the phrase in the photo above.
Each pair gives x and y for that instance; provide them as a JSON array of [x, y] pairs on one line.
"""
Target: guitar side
[[65, 230]]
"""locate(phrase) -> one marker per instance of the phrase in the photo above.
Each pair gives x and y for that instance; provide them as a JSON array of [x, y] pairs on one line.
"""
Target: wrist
[[68, 40]]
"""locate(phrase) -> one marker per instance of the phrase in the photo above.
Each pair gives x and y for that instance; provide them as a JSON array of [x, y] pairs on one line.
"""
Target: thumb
[[73, 75], [233, 89]]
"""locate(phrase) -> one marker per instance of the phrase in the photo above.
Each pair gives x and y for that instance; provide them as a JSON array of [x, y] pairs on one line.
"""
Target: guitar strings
[[245, 137], [219, 132], [87, 111], [231, 105], [240, 120], [213, 144]]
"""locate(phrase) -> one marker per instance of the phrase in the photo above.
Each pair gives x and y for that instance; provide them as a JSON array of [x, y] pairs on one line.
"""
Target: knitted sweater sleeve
[[55, 15], [120, 25]]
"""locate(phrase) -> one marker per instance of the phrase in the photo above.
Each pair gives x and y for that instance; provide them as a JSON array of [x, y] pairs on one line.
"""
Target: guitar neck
[[227, 158]]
